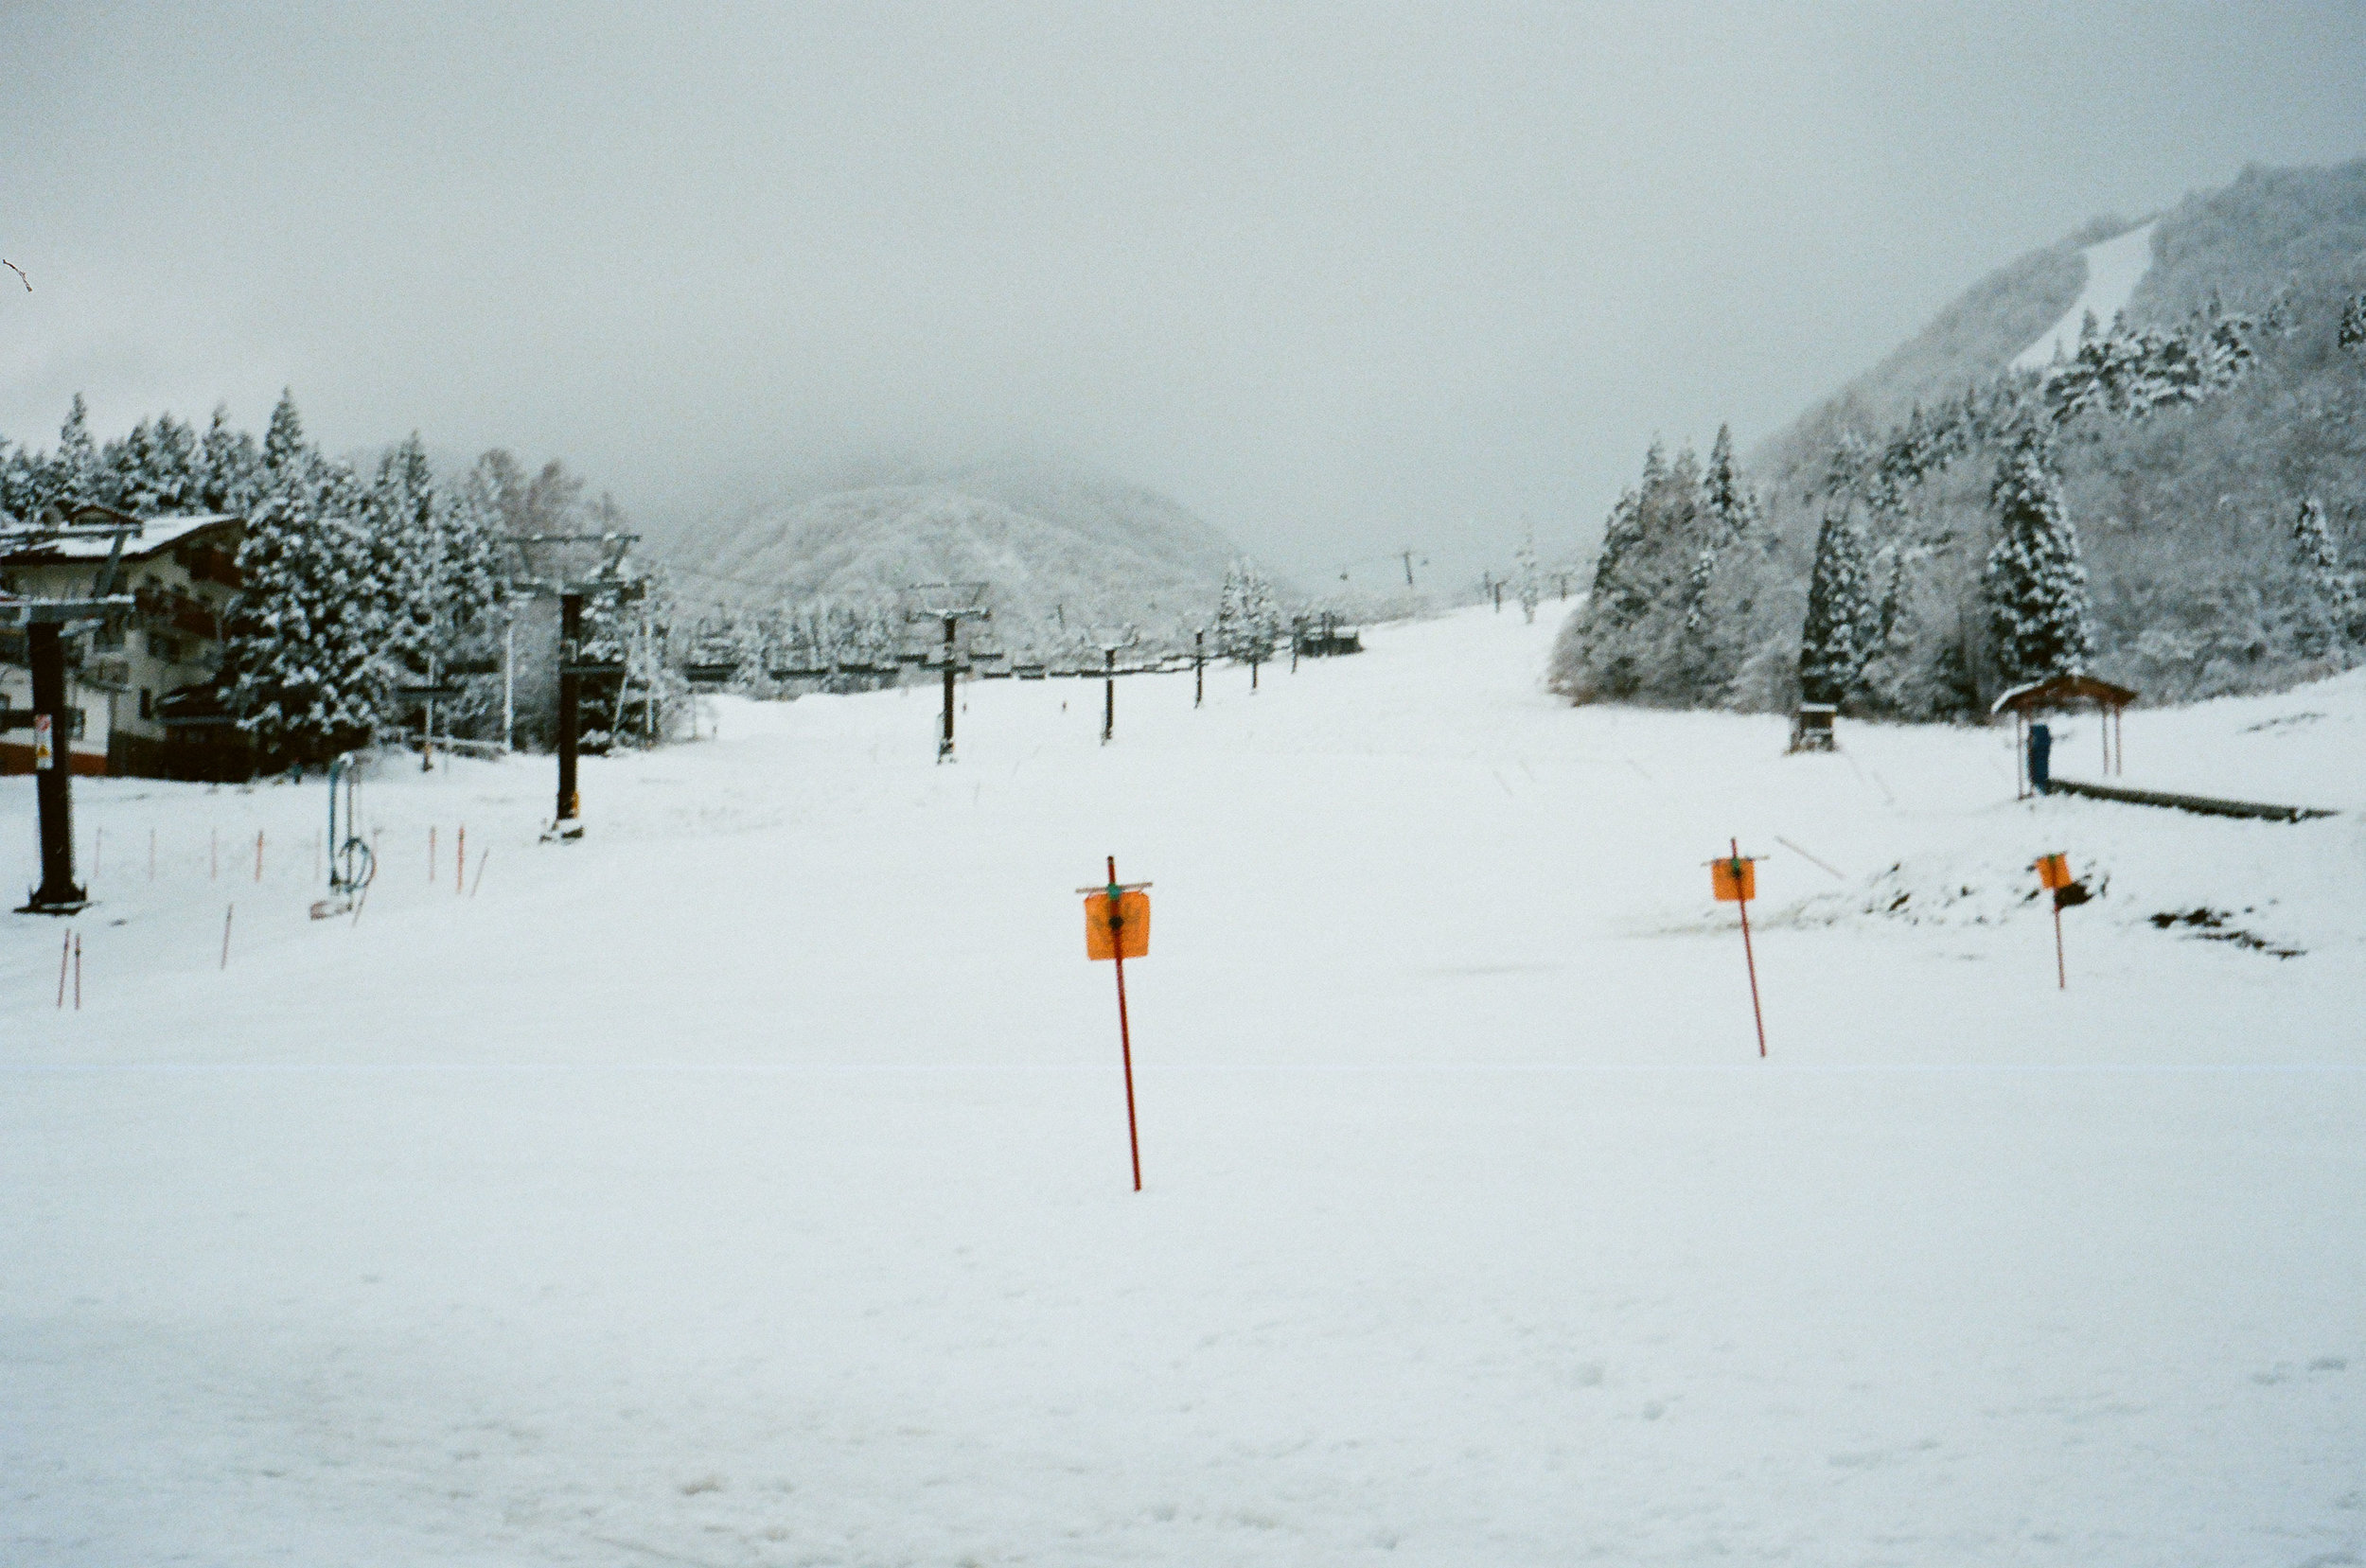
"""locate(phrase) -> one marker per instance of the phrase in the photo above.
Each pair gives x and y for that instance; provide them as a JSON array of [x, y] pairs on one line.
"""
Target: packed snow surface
[[2114, 269], [747, 1184]]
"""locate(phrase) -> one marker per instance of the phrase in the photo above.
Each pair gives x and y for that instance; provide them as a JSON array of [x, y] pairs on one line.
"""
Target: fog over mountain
[[1060, 551]]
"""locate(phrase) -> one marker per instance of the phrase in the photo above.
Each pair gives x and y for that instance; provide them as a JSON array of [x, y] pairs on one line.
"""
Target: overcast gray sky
[[1335, 277]]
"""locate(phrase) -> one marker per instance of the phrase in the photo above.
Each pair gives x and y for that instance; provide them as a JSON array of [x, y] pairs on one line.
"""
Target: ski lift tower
[[605, 581], [46, 623], [1111, 641], [952, 603]]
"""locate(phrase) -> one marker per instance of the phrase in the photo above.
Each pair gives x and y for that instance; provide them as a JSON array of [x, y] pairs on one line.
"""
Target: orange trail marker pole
[[258, 854], [65, 956], [226, 913], [2053, 875], [1733, 881], [1117, 922], [1750, 961], [1125, 1033], [78, 973]]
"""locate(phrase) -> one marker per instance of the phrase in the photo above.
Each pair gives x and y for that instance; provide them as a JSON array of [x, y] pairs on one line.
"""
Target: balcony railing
[[168, 612]]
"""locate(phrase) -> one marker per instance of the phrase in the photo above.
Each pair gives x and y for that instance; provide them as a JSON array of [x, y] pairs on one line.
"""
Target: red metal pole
[[460, 860], [258, 854], [1755, 1015], [1125, 1033], [2061, 970]]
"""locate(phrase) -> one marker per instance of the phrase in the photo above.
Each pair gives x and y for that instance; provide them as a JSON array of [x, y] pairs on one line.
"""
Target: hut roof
[[2061, 691]]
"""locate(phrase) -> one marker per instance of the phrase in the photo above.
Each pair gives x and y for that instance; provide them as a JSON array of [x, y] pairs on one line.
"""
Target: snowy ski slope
[[2114, 269], [747, 1184]]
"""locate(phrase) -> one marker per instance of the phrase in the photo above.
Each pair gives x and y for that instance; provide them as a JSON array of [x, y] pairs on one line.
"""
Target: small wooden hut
[[2062, 693]]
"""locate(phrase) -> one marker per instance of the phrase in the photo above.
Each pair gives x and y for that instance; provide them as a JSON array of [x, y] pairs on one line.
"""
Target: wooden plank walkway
[[2202, 803]]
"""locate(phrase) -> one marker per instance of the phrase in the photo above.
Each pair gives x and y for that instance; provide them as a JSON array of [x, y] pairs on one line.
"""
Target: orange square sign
[[1127, 937], [2054, 871], [1734, 880]]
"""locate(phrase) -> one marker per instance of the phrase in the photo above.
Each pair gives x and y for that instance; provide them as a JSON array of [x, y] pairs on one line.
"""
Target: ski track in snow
[[2114, 269], [747, 1184]]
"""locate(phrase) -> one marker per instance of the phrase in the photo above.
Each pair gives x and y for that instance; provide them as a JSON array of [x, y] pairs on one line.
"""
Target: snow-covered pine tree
[[175, 464], [127, 471], [1841, 632], [407, 546], [1627, 643], [1848, 465], [2033, 584], [23, 485], [225, 471], [149, 472], [1617, 597], [304, 652], [2332, 601], [74, 471], [1726, 515], [1248, 618], [284, 448], [2221, 342]]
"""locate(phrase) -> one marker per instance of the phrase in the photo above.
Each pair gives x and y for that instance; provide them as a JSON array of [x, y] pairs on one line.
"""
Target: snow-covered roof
[[2055, 690], [73, 543]]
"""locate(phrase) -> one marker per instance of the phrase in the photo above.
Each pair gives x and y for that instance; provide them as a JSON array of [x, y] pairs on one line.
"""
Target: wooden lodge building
[[142, 691]]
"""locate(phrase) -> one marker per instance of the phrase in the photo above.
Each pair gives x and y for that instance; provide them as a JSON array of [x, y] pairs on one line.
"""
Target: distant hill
[[2185, 516], [1057, 547]]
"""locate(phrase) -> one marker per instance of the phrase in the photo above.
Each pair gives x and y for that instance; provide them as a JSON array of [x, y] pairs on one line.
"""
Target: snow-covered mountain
[[1057, 547], [2185, 516], [2285, 243]]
